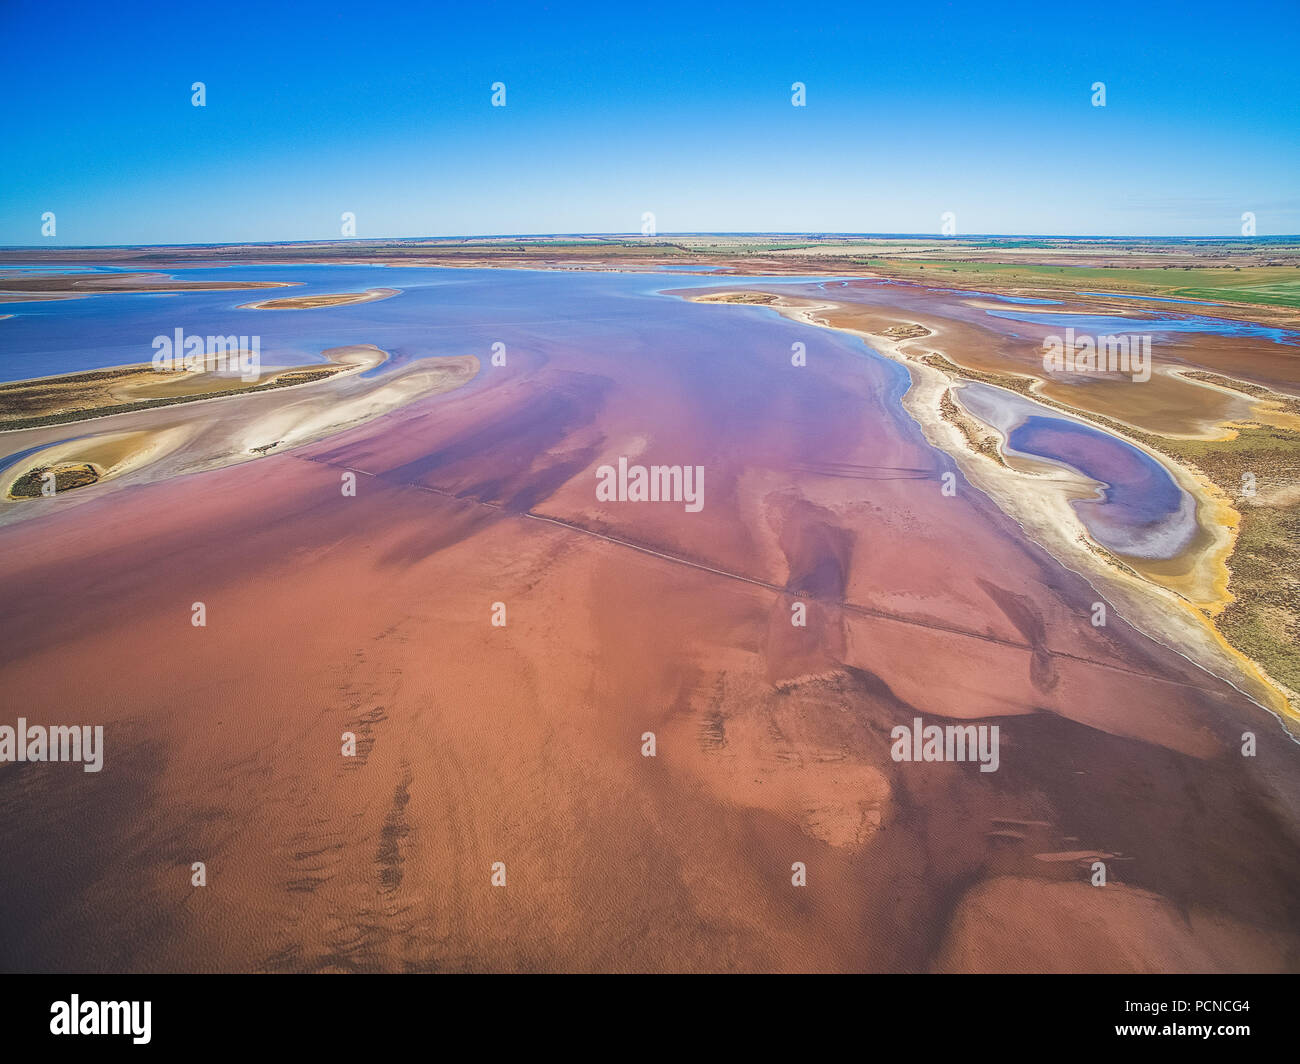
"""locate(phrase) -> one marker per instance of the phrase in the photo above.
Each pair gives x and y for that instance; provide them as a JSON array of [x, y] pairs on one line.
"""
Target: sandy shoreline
[[210, 432], [1040, 503]]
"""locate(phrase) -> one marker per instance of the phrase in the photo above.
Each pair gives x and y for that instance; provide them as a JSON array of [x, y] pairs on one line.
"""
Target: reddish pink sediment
[[522, 744]]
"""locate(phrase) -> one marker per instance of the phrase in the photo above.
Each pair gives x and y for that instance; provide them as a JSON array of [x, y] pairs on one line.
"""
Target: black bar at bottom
[[609, 1014]]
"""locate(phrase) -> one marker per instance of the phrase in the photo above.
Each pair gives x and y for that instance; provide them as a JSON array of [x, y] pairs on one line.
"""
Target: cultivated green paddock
[[1277, 286]]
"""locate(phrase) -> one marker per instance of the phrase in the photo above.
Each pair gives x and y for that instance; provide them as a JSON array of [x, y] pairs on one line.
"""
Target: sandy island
[[225, 421], [118, 389], [335, 299], [25, 289]]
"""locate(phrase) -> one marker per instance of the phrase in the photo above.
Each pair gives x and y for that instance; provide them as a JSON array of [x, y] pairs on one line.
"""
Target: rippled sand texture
[[522, 744]]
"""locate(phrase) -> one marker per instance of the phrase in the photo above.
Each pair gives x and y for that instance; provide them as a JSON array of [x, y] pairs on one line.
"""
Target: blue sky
[[384, 110]]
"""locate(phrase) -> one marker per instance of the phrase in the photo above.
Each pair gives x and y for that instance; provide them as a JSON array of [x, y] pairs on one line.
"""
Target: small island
[[318, 302]]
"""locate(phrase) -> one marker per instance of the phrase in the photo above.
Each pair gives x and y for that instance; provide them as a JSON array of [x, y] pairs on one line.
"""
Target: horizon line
[[660, 237]]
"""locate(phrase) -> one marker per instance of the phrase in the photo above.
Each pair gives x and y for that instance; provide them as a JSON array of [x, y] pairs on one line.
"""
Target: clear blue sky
[[384, 109]]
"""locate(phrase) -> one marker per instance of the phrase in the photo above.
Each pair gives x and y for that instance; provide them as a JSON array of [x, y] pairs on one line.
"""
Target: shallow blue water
[[1142, 511], [443, 311], [1136, 483], [1006, 299], [1151, 299], [1102, 324], [6, 268], [439, 312]]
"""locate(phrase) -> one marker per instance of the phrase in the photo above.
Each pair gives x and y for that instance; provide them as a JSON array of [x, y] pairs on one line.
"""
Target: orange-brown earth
[[523, 744]]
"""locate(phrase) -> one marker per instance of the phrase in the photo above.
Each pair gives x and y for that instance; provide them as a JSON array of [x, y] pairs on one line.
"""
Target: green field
[[1277, 286]]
